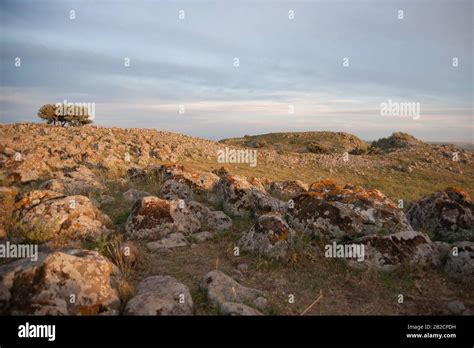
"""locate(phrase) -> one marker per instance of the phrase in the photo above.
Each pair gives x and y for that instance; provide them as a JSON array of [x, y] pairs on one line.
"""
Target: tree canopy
[[64, 115]]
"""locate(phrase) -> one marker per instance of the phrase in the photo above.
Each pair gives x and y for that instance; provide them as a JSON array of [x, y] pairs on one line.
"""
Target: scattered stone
[[160, 295], [229, 296], [171, 241]]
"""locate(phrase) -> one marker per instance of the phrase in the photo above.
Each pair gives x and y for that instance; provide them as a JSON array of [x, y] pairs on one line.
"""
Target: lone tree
[[59, 114], [48, 112]]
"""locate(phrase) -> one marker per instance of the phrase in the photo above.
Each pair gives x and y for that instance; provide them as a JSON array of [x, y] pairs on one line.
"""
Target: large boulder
[[74, 282], [448, 214], [228, 296], [153, 218], [160, 295], [270, 236], [460, 264], [242, 197], [329, 210], [386, 253], [63, 220]]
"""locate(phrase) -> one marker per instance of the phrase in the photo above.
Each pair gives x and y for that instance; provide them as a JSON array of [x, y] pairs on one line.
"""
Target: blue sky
[[283, 62]]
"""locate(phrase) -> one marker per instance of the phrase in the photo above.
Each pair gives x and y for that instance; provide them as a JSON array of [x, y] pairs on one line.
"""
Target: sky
[[291, 73]]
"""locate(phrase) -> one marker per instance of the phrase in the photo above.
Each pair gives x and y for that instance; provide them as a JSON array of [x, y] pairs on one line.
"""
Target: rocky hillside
[[142, 222], [303, 142], [397, 141]]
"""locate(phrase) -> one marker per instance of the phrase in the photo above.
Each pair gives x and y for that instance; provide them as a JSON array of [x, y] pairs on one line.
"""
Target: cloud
[[282, 63]]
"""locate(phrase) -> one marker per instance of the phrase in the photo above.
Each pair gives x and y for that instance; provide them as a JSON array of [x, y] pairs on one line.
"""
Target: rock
[[241, 197], [132, 195], [218, 221], [202, 236], [77, 180], [287, 189], [331, 211], [460, 265], [197, 181], [213, 220], [456, 307], [448, 214], [160, 295], [136, 173], [61, 219], [153, 218], [172, 189], [171, 241], [243, 267], [24, 176], [229, 296], [47, 286], [270, 236], [385, 253], [443, 249], [237, 309]]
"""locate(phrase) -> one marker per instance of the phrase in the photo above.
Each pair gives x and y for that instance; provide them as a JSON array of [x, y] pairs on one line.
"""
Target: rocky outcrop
[[449, 215], [160, 295], [229, 297], [74, 282], [153, 218], [61, 219], [329, 210], [242, 197], [386, 253], [270, 236]]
